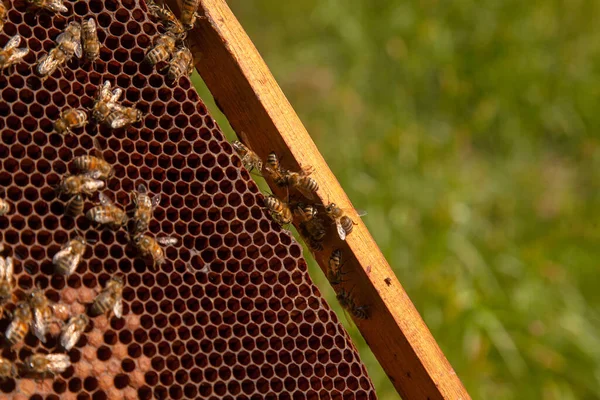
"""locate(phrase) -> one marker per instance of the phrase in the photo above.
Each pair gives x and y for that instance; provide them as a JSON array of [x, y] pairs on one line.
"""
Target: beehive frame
[[248, 95]]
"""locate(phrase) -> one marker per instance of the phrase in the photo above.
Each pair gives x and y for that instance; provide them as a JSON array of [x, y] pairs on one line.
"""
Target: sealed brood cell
[[233, 313]]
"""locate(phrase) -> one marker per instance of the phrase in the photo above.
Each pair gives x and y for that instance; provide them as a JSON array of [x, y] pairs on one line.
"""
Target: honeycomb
[[233, 313]]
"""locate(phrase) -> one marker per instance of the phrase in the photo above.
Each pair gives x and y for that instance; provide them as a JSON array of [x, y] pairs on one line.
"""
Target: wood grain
[[253, 102]]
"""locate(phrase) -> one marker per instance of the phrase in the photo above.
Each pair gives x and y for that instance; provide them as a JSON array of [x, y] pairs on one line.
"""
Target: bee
[[73, 330], [94, 167], [68, 45], [343, 223], [110, 299], [334, 270], [144, 205], [120, 117], [67, 259], [107, 213], [74, 206], [181, 64], [43, 364], [149, 246], [79, 184], [301, 181], [89, 39], [69, 119], [106, 102], [50, 5], [250, 159], [10, 54], [347, 302], [162, 50], [42, 313], [19, 326], [7, 282], [274, 170], [168, 19], [3, 13], [7, 368], [310, 227], [4, 207], [280, 210], [189, 13]]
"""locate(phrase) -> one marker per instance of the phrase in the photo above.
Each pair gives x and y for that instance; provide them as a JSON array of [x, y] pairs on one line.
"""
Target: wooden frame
[[248, 95]]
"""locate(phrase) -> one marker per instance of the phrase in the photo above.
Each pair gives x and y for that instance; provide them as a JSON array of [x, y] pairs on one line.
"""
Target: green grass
[[470, 135]]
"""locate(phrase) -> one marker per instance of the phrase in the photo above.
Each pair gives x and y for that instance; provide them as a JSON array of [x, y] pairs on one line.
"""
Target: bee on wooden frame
[[280, 210]]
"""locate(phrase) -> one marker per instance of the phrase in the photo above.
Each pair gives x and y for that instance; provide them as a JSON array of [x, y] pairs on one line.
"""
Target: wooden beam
[[247, 93]]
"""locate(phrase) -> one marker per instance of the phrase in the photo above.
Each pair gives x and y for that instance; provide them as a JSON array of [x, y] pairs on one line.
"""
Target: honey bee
[[50, 5], [19, 326], [69, 119], [7, 282], [94, 167], [120, 117], [281, 212], [149, 246], [334, 270], [51, 364], [3, 13], [144, 205], [343, 223], [310, 227], [250, 159], [110, 299], [79, 184], [106, 102], [68, 45], [189, 13], [89, 39], [347, 302], [73, 330], [10, 54], [107, 213], [168, 19], [162, 50], [74, 206], [42, 313], [301, 181], [181, 64], [274, 170], [7, 368], [69, 256], [4, 207]]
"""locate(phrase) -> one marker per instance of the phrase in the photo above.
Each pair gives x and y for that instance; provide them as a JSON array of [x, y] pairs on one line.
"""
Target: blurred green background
[[469, 132]]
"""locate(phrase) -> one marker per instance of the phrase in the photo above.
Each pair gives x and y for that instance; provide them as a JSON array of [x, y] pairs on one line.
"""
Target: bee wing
[[361, 213], [119, 122], [155, 200], [98, 149], [46, 63], [13, 42], [305, 192], [341, 231], [116, 95], [69, 336], [74, 262], [118, 307], [39, 325], [104, 93], [57, 6], [167, 240], [105, 200], [91, 27], [78, 49], [58, 362]]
